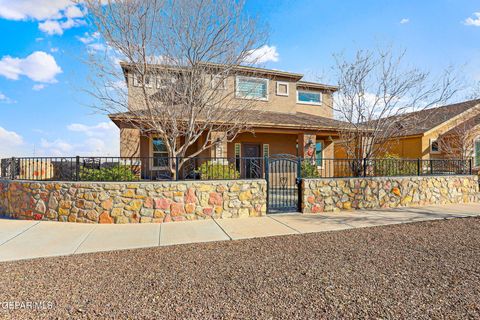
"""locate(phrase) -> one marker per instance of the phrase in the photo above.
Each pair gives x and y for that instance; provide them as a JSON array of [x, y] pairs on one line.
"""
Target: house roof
[[420, 122], [268, 119], [253, 70]]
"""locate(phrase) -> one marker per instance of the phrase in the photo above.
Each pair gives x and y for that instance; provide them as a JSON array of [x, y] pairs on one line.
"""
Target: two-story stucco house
[[296, 118]]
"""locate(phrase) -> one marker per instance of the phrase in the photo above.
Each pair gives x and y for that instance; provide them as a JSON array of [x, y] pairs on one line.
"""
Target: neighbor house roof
[[267, 119], [420, 122]]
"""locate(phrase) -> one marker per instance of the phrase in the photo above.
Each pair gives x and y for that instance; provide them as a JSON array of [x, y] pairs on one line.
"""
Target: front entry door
[[251, 161]]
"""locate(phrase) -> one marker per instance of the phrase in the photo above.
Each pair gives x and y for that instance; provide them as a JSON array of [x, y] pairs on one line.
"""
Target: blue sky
[[43, 110]]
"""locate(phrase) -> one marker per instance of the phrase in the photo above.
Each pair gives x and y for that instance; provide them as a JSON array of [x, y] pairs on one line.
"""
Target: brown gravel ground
[[421, 270]]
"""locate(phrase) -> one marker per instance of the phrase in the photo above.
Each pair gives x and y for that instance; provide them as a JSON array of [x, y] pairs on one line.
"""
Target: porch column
[[220, 150], [129, 142], [306, 144]]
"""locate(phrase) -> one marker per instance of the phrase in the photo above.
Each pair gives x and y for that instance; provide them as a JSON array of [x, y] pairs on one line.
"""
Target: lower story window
[[160, 153], [434, 146], [477, 153], [319, 153]]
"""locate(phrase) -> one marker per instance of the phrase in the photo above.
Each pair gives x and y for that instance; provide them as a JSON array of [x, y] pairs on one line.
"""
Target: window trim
[[159, 85], [237, 95], [152, 167], [239, 154], [224, 87], [310, 103], [266, 147], [136, 83], [439, 151], [475, 140], [323, 149], [279, 83]]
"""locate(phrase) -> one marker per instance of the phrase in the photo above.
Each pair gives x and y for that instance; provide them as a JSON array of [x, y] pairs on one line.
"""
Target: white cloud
[[56, 148], [52, 27], [33, 9], [5, 99], [54, 16], [39, 66], [9, 142], [101, 139], [404, 21], [93, 42], [73, 12], [89, 38], [475, 21], [38, 87], [263, 54], [99, 129]]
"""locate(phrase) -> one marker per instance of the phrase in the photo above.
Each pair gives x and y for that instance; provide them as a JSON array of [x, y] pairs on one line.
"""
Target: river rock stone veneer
[[327, 195], [115, 202]]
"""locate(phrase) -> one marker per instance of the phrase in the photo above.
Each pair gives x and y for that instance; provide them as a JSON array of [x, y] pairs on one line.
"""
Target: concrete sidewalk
[[34, 239]]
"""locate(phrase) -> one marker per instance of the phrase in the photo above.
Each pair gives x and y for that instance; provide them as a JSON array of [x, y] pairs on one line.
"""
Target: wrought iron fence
[[130, 169], [342, 168], [202, 168]]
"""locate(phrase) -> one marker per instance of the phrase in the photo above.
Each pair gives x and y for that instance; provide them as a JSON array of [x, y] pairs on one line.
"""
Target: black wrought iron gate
[[282, 173]]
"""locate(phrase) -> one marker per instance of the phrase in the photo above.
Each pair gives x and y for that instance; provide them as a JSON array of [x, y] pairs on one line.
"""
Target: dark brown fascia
[[118, 119]]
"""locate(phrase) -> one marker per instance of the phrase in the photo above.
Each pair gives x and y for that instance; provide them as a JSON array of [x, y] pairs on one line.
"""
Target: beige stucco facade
[[259, 141]]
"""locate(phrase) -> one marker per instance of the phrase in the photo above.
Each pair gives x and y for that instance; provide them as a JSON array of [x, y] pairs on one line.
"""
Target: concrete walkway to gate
[[34, 239]]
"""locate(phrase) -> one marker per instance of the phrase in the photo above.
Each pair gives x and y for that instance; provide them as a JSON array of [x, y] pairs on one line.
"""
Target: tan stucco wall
[[279, 143], [275, 102], [129, 142], [407, 148]]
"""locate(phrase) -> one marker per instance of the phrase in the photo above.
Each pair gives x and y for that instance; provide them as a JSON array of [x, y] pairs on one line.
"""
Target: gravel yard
[[420, 270]]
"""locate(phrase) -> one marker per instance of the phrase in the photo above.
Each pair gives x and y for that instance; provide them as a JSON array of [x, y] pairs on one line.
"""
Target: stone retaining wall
[[327, 195], [112, 202]]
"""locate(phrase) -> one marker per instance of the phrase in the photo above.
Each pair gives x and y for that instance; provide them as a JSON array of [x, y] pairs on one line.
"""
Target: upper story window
[[148, 80], [219, 82], [282, 88], [309, 97], [251, 88]]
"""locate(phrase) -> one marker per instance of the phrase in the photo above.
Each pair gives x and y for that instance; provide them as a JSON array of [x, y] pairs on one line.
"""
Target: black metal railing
[[204, 168], [130, 169], [344, 168]]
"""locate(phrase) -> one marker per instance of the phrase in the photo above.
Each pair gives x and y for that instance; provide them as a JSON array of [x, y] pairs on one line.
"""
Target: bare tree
[[178, 57], [475, 92], [459, 141], [376, 94]]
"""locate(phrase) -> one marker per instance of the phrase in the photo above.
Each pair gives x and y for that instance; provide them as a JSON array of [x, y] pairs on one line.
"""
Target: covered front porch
[[246, 153]]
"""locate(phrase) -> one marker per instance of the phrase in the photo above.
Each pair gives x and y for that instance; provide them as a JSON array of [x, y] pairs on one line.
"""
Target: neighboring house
[[296, 118], [447, 132]]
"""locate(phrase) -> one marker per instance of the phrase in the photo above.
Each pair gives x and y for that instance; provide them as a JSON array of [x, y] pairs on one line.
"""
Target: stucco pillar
[[220, 150], [129, 142], [306, 144]]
